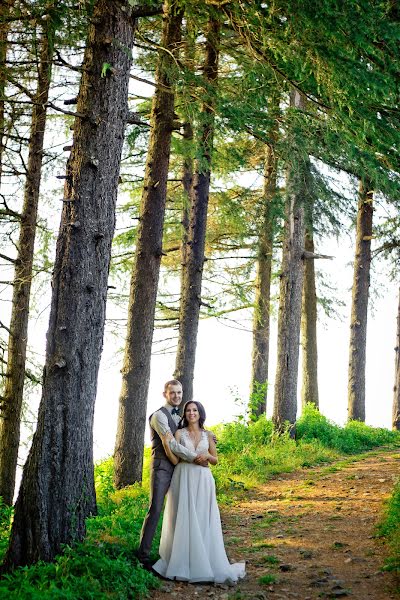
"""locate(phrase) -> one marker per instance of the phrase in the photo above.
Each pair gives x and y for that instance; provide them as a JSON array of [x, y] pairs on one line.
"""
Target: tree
[[309, 389], [396, 389], [192, 269], [57, 488], [128, 454], [5, 9], [359, 307], [18, 329], [261, 315], [291, 280]]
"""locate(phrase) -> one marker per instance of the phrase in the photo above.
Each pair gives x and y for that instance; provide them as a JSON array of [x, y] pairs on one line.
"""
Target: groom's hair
[[171, 382]]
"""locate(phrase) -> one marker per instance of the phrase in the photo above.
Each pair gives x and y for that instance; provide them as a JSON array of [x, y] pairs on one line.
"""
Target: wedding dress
[[192, 547]]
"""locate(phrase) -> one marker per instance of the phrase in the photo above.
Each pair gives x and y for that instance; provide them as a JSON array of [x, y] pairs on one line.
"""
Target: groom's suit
[[161, 472]]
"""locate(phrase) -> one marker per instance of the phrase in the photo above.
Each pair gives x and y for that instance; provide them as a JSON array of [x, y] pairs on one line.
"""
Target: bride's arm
[[212, 449]]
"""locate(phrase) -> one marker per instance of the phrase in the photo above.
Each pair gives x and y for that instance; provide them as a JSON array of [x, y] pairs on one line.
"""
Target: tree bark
[[57, 490], [15, 373], [128, 455], [396, 389], [309, 390], [359, 308], [5, 9], [291, 285], [192, 269], [187, 170], [261, 316]]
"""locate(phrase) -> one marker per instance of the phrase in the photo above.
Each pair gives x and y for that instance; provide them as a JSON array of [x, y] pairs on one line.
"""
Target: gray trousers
[[160, 479]]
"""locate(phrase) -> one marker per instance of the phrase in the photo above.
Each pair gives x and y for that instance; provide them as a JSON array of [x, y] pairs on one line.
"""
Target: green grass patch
[[251, 453], [267, 579], [270, 559], [390, 529]]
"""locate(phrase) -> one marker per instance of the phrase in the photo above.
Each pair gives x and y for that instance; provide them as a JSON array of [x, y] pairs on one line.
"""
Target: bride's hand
[[201, 459]]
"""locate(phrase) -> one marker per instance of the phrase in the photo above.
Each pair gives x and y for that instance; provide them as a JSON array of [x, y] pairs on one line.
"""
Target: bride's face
[[192, 413]]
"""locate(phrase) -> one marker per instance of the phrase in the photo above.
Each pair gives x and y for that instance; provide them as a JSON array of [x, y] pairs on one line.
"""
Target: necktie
[[175, 411]]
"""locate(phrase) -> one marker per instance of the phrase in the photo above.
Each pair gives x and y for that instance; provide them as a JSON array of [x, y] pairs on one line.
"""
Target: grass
[[103, 566], [267, 579], [251, 453], [390, 529]]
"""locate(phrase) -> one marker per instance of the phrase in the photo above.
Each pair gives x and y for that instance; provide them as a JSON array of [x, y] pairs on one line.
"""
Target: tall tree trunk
[[359, 307], [261, 316], [291, 285], [396, 389], [57, 490], [5, 8], [128, 455], [187, 170], [192, 270], [17, 343], [309, 390]]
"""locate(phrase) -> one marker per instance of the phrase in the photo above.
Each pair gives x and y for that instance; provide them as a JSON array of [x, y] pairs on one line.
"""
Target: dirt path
[[310, 534]]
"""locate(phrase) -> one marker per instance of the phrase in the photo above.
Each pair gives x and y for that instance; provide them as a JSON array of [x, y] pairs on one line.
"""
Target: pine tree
[[359, 308], [309, 389], [291, 281], [57, 488], [192, 269], [128, 454], [396, 389], [261, 315], [18, 329]]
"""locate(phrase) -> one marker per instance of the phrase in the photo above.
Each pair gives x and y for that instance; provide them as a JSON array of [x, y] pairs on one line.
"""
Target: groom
[[163, 421]]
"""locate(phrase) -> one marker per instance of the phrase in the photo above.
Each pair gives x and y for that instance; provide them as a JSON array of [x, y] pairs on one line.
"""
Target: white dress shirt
[[159, 422]]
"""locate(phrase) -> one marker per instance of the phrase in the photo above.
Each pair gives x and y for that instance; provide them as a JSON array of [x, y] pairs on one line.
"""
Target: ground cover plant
[[104, 566], [390, 529], [252, 452]]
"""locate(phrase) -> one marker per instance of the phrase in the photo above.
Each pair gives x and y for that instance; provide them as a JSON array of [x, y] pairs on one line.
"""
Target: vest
[[157, 448]]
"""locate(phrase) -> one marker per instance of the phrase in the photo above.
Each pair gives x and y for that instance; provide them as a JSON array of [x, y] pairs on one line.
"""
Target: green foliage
[[390, 529], [252, 452], [257, 398], [353, 438], [103, 566], [105, 69], [5, 524]]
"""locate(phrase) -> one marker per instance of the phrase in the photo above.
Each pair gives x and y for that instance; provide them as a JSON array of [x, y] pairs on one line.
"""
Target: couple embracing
[[191, 547]]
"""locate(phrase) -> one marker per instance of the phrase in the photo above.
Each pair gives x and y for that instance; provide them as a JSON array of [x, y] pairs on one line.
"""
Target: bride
[[192, 547]]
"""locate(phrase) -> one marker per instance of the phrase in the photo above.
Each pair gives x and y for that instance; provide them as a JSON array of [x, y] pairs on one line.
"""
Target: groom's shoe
[[145, 561]]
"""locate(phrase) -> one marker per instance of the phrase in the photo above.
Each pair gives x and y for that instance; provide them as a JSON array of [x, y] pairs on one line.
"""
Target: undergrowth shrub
[[390, 529], [354, 437], [103, 566], [253, 452]]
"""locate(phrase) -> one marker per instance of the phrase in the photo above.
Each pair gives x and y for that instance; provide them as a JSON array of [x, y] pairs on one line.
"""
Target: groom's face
[[173, 395]]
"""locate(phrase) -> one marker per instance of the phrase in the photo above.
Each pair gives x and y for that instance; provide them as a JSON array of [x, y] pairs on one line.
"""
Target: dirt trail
[[312, 531]]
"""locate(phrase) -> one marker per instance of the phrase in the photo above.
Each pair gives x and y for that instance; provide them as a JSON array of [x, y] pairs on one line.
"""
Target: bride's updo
[[202, 414]]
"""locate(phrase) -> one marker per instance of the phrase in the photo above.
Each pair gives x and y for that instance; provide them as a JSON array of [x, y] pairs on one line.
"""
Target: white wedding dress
[[192, 547]]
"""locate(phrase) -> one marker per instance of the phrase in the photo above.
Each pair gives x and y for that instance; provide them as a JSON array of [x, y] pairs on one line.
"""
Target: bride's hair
[[202, 414]]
